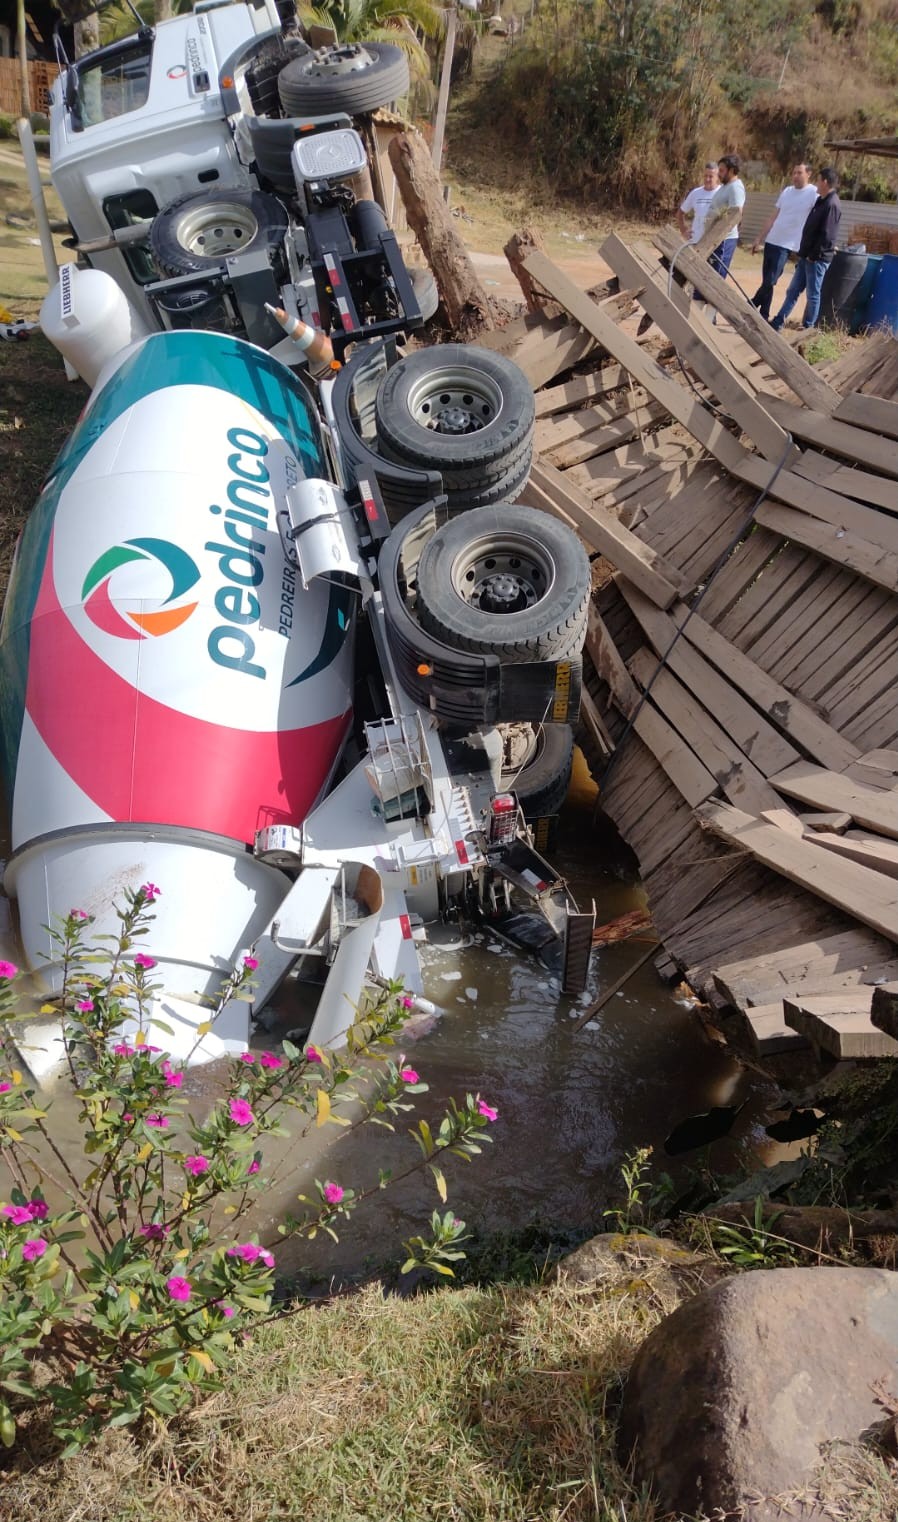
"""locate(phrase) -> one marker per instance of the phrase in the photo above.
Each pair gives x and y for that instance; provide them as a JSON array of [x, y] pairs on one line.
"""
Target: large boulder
[[643, 1264], [730, 1399]]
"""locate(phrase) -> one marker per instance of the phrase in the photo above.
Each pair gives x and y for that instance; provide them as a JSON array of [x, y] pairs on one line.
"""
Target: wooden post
[[21, 40], [445, 78], [466, 302], [517, 249]]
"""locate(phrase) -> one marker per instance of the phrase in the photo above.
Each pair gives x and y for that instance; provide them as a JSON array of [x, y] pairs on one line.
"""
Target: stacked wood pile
[[742, 713]]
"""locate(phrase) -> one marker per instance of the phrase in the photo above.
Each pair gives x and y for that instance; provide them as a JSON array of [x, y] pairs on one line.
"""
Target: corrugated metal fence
[[40, 78], [759, 207]]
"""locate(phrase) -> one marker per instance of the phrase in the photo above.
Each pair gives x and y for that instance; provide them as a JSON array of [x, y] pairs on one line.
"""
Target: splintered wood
[[741, 660]]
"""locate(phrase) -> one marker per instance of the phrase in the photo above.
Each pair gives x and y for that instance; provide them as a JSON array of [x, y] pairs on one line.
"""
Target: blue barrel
[[882, 309], [864, 292]]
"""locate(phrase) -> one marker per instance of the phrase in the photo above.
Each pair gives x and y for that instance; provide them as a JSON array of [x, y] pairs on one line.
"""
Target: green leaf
[[7, 1426], [440, 1182]]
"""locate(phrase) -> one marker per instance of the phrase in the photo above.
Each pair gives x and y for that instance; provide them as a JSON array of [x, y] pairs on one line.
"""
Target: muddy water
[[572, 1103]]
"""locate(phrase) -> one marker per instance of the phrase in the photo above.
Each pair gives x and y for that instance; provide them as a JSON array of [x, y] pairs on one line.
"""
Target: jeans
[[722, 257], [808, 277], [773, 266]]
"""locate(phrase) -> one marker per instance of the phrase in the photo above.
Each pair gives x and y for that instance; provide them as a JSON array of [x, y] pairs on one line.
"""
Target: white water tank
[[89, 320]]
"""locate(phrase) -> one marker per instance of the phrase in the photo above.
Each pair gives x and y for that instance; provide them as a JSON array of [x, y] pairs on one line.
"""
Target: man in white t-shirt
[[696, 205], [726, 209], [782, 235]]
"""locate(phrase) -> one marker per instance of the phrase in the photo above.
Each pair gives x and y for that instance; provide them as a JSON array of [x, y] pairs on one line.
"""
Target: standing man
[[782, 235], [816, 251], [726, 211], [696, 204]]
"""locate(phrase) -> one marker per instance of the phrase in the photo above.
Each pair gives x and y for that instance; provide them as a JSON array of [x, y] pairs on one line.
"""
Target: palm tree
[[397, 21]]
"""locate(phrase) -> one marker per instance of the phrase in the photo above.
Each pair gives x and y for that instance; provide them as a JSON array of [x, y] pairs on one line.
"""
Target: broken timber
[[742, 647]]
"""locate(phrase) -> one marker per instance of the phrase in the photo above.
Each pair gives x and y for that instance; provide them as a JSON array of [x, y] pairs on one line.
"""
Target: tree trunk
[[517, 249], [25, 89], [162, 10], [466, 302], [87, 35]]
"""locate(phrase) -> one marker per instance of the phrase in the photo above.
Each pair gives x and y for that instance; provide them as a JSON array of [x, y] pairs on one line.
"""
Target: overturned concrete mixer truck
[[283, 646]]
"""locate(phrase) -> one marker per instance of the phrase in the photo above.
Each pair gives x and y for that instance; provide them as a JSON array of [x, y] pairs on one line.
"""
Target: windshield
[[113, 83]]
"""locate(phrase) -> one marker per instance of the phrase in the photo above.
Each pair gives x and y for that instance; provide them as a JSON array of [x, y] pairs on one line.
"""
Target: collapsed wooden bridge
[[742, 706]]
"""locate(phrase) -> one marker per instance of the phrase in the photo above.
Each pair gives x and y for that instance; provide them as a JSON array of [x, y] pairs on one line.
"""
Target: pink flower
[[128, 1117], [173, 1079], [268, 1060], [313, 1054], [150, 892], [159, 1121], [332, 1193], [77, 914], [33, 1248], [254, 1166], [8, 969], [196, 1164], [226, 1310], [247, 1057], [5, 1087], [248, 1251], [241, 1114], [142, 960], [155, 1231], [85, 1006], [487, 1110], [123, 1050], [178, 1289], [251, 963], [19, 1215], [407, 1003], [267, 1259], [39, 1210], [408, 1075]]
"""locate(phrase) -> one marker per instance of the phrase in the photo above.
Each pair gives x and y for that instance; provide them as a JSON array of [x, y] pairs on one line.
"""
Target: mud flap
[[577, 950]]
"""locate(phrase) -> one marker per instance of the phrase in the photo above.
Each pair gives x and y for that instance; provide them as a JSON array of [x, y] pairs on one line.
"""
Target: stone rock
[[643, 1262], [730, 1399]]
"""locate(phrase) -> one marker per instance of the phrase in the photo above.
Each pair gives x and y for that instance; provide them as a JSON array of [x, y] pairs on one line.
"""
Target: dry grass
[[467, 1406]]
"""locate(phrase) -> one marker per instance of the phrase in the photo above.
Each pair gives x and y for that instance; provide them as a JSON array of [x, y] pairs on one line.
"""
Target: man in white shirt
[[726, 209], [782, 235], [696, 205]]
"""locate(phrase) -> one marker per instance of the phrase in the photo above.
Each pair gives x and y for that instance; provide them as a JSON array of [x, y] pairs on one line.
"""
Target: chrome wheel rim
[[213, 232], [456, 400], [503, 574]]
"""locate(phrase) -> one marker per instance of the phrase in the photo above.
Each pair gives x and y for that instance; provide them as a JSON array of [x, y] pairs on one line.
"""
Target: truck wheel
[[539, 760], [197, 232], [350, 77], [505, 581], [463, 411]]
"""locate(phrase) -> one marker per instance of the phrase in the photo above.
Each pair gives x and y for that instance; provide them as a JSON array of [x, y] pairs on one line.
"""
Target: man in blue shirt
[[815, 251]]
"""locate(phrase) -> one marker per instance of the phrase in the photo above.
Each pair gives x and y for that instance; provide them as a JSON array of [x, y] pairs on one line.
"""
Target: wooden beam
[[841, 1026], [749, 323], [581, 389], [849, 481], [843, 548], [819, 502], [872, 412], [603, 653], [694, 350], [834, 436], [754, 734], [673, 397], [592, 720], [869, 850], [829, 790], [631, 424], [736, 776], [786, 711], [650, 572], [884, 1009], [860, 892]]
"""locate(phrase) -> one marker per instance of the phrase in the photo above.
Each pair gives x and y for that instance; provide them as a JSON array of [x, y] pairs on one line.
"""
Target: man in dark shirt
[[815, 252]]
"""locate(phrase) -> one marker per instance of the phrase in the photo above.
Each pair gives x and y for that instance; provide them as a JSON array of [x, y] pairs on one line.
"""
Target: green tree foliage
[[396, 21]]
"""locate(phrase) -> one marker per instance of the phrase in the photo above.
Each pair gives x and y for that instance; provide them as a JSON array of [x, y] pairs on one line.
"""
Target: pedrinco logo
[[240, 567], [128, 624]]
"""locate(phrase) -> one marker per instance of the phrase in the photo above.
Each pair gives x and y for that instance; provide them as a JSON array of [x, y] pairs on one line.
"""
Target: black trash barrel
[[840, 286]]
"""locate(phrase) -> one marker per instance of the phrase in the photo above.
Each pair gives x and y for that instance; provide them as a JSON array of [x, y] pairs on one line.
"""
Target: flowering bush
[[121, 1295]]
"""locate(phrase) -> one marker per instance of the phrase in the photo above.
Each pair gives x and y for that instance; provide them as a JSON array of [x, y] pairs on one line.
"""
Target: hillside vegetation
[[620, 102]]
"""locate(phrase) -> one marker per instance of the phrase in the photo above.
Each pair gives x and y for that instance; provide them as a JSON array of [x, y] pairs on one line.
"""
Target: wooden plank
[[832, 790], [602, 651], [694, 350], [593, 721], [644, 370], [835, 824], [742, 569], [650, 572], [871, 412], [835, 437], [842, 1027], [786, 711], [869, 850], [842, 512], [838, 545], [884, 1009], [768, 1033], [580, 389], [753, 734], [851, 958], [736, 776], [556, 354], [867, 895], [882, 760], [688, 774], [550, 433], [849, 480], [749, 323], [631, 424]]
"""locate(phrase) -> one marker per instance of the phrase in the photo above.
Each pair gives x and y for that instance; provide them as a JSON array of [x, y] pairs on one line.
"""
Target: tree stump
[[518, 248], [465, 301]]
